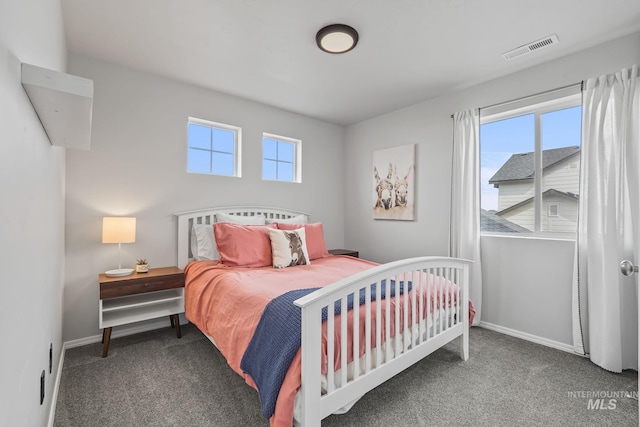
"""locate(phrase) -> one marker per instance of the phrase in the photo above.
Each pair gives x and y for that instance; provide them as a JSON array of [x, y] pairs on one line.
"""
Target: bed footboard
[[401, 312]]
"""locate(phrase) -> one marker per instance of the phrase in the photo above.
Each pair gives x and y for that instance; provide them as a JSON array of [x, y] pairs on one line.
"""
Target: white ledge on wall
[[63, 103]]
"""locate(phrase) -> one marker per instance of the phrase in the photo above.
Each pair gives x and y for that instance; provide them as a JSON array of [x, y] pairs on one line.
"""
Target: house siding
[[565, 222], [513, 193], [522, 215], [567, 219], [564, 176]]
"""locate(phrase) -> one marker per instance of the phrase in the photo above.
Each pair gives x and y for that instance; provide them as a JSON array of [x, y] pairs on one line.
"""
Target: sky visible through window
[[277, 160], [211, 150], [501, 139]]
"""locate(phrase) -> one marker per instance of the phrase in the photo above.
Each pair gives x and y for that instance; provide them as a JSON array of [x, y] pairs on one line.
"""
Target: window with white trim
[[281, 158], [529, 162], [213, 148]]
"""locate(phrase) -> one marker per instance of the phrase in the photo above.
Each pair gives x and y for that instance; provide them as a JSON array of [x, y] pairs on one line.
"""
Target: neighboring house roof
[[489, 221], [550, 192], [520, 166]]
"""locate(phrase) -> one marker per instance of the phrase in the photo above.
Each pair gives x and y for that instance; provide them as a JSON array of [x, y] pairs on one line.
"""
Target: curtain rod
[[581, 83]]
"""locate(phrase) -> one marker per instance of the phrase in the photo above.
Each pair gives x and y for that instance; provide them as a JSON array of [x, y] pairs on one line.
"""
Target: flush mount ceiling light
[[337, 38]]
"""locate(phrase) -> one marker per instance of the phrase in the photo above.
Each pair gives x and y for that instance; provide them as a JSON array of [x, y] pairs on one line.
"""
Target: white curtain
[[464, 241], [605, 308]]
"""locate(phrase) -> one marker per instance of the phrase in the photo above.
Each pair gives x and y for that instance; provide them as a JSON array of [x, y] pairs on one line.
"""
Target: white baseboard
[[56, 388], [121, 332], [528, 337]]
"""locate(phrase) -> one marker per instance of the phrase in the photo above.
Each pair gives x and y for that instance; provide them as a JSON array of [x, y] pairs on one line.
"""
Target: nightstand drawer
[[138, 286], [157, 279]]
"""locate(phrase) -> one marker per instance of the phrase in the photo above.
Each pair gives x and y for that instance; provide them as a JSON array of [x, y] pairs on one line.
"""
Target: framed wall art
[[393, 183]]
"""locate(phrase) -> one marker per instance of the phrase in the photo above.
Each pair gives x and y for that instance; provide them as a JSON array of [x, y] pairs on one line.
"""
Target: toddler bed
[[396, 313]]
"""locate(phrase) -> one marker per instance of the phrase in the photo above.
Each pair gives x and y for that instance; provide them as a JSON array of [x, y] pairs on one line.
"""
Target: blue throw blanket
[[278, 337]]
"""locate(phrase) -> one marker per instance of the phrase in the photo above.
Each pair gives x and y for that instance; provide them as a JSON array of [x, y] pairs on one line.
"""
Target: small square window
[[281, 158], [213, 148], [552, 209]]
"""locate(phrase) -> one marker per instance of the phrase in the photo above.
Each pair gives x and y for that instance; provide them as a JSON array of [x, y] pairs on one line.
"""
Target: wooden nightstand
[[347, 252], [140, 296]]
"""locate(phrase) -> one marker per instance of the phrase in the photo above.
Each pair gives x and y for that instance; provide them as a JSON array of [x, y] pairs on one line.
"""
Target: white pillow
[[299, 219], [289, 248], [203, 244], [242, 220]]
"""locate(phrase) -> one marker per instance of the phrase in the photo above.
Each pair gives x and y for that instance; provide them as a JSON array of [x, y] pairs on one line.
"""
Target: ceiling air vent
[[530, 47]]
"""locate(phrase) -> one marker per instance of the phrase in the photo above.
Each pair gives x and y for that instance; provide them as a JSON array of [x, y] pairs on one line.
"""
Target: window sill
[[540, 236]]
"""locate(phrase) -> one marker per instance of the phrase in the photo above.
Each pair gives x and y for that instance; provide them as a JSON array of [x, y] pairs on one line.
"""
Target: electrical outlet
[[51, 358], [42, 387]]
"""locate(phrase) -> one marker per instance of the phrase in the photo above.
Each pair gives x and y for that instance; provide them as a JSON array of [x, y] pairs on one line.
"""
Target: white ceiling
[[409, 50]]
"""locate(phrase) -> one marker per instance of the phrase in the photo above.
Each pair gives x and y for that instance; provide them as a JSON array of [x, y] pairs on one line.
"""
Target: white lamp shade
[[118, 229]]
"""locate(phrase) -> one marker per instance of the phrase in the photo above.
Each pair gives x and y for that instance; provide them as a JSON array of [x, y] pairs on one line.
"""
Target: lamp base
[[119, 272]]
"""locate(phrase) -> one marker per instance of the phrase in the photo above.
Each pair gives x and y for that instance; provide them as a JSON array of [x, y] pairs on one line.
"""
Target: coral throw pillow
[[243, 245]]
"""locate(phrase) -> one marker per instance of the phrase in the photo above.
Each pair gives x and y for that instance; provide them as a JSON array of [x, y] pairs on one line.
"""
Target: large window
[[281, 158], [529, 161], [213, 148]]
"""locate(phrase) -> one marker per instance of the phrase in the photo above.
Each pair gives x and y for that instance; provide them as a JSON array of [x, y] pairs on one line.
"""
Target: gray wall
[[137, 167], [31, 217], [513, 268]]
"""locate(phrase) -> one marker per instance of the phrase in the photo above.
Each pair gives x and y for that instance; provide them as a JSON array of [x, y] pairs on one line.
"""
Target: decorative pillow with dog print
[[289, 248]]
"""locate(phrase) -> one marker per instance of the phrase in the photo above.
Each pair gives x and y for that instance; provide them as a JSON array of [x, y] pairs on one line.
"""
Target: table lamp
[[119, 230]]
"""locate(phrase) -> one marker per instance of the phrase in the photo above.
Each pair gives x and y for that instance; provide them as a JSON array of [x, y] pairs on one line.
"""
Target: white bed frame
[[345, 386]]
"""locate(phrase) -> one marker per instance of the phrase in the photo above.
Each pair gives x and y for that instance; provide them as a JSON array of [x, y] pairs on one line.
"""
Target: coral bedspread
[[227, 303]]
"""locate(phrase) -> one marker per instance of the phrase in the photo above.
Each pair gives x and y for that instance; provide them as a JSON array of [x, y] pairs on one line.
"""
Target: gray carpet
[[155, 379]]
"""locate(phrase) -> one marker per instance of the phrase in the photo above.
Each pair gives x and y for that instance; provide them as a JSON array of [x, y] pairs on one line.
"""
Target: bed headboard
[[208, 216]]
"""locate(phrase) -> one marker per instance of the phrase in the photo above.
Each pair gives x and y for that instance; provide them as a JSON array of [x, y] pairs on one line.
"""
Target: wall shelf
[[64, 105]]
